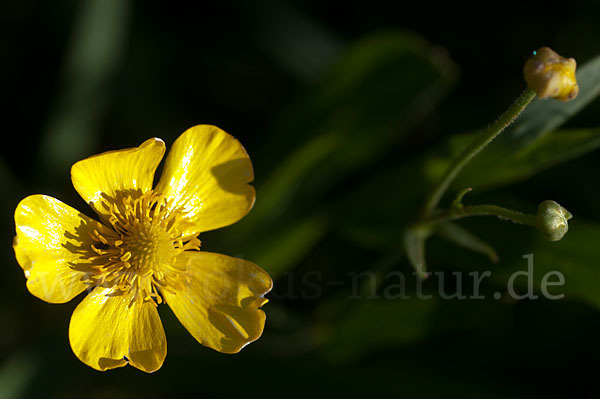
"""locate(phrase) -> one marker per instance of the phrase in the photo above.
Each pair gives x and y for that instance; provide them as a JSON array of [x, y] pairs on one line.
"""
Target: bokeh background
[[350, 113]]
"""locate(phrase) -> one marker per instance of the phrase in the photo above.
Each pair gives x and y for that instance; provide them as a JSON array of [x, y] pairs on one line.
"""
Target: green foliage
[[575, 256], [540, 154], [71, 133], [414, 242], [460, 236], [400, 322], [361, 108], [16, 373]]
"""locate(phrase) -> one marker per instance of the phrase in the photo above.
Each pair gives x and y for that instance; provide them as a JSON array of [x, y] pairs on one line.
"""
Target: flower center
[[149, 245], [138, 250]]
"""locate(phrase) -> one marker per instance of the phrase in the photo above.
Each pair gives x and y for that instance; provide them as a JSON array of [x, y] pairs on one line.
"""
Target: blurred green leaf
[[414, 245], [281, 186], [462, 237], [16, 374], [375, 214], [575, 257], [362, 107], [383, 323], [92, 58], [281, 250], [374, 324], [377, 90], [299, 43], [548, 150]]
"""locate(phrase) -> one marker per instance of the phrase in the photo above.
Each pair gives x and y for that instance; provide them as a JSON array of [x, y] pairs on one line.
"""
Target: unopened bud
[[550, 75], [552, 220]]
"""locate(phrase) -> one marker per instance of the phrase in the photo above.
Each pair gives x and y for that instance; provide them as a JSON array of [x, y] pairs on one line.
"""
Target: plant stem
[[484, 138], [478, 210]]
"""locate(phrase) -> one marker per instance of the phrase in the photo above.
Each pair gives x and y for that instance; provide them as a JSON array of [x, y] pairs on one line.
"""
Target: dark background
[[82, 77]]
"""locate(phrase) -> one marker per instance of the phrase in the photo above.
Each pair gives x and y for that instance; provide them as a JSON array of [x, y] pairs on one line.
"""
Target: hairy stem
[[478, 210], [484, 138]]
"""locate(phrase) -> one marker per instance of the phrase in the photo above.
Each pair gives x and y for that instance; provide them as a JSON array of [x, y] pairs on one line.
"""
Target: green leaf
[[281, 186], [297, 42], [464, 238], [17, 374], [90, 63], [375, 324], [362, 107], [375, 214], [280, 251], [575, 257], [547, 151], [370, 98], [414, 245]]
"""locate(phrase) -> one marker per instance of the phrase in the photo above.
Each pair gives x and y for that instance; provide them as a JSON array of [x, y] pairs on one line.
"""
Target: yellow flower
[[145, 250]]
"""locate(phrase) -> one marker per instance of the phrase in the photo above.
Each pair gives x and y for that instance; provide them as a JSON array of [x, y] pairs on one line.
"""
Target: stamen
[[113, 219], [136, 250]]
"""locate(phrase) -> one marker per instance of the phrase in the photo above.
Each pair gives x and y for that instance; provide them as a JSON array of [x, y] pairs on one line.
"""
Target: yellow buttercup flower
[[145, 250]]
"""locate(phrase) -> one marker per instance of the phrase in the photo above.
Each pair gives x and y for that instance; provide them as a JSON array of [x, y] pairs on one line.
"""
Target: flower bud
[[550, 75], [552, 220]]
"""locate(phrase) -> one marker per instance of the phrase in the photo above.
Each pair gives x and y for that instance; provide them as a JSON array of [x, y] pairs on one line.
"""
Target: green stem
[[480, 142], [478, 210]]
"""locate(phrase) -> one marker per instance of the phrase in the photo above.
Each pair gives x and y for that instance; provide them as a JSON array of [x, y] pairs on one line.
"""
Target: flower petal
[[50, 238], [109, 328], [206, 175], [219, 298], [122, 171]]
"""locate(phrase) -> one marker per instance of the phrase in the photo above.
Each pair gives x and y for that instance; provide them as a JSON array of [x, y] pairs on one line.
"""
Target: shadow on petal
[[106, 363], [239, 326], [233, 176]]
